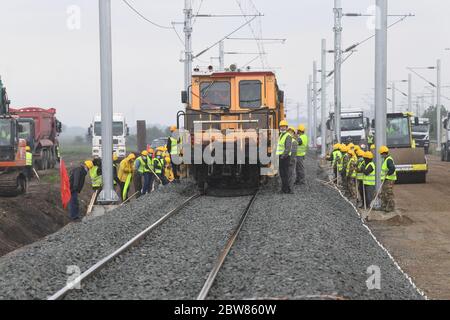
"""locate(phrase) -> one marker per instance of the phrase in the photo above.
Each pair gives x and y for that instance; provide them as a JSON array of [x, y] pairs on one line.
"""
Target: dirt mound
[[28, 218]]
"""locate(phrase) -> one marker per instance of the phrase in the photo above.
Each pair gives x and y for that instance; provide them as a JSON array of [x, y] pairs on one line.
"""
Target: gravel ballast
[[39, 270], [300, 246], [174, 261], [307, 245]]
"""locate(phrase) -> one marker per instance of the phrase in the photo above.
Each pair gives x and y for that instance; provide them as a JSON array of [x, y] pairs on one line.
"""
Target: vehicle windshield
[[215, 95], [158, 143], [5, 133], [397, 132], [423, 128], [117, 128], [349, 124], [250, 94], [26, 131]]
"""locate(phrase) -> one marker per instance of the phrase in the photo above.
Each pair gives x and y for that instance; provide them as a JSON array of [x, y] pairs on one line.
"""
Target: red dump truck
[[40, 128]]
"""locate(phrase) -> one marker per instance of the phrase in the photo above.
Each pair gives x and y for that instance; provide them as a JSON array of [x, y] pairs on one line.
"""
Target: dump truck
[[12, 150], [410, 161], [40, 129]]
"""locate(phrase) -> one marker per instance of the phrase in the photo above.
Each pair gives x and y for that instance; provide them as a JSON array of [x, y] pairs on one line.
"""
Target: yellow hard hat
[[301, 128], [357, 148], [27, 148], [351, 145], [173, 128], [384, 149], [343, 148], [360, 153], [144, 153], [283, 123], [89, 164], [291, 129], [368, 155], [337, 146], [372, 147]]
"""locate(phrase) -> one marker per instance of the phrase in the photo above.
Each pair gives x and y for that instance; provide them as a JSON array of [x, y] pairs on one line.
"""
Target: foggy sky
[[44, 63]]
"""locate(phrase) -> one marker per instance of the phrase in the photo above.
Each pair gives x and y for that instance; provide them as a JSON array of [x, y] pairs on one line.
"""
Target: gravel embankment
[[175, 260], [39, 270], [307, 245]]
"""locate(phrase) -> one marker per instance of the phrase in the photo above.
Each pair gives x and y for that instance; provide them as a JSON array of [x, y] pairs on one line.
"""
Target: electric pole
[[221, 56], [107, 195], [438, 111], [380, 84], [409, 92], [314, 115], [337, 68], [324, 97], [309, 100], [393, 96], [188, 45]]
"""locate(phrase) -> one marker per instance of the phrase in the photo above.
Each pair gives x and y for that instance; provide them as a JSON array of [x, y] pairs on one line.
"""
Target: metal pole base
[[107, 198]]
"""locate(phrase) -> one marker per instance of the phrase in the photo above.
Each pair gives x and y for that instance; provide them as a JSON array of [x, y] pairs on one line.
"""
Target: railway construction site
[[249, 183]]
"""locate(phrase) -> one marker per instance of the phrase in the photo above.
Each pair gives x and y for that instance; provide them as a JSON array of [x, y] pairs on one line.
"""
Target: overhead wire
[[153, 23], [198, 11]]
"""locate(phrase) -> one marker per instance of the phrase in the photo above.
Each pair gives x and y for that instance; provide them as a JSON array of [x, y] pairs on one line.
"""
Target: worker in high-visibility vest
[[96, 174], [360, 164], [125, 175], [144, 167], [388, 177], [293, 162], [159, 168], [173, 150], [351, 173], [342, 165], [335, 158], [369, 178], [284, 153], [29, 163], [302, 140]]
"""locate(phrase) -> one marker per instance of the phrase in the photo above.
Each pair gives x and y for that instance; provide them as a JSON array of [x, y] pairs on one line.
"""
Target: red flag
[[65, 184]]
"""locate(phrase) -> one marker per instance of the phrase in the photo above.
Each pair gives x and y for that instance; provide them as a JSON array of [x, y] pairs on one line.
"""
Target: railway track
[[96, 268]]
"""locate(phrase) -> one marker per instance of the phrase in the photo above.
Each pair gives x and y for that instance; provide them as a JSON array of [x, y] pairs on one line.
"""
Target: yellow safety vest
[[143, 165], [29, 159], [301, 151], [282, 144], [360, 165], [173, 146], [96, 180], [159, 165], [370, 180], [336, 156], [385, 169], [352, 160]]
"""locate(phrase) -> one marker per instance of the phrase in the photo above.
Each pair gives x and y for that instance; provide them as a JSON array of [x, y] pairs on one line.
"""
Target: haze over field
[[43, 62]]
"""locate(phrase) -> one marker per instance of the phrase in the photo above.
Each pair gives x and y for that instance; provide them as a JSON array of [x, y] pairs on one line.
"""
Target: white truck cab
[[120, 134], [355, 127]]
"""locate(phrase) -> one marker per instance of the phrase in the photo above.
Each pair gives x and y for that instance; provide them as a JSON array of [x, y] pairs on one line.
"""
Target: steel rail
[[102, 263], [224, 253]]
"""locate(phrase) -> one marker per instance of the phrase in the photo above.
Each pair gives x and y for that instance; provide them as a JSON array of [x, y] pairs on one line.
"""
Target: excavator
[[13, 181]]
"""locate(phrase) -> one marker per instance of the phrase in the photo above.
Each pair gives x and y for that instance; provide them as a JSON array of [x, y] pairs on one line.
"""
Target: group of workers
[[144, 171], [354, 170], [291, 150]]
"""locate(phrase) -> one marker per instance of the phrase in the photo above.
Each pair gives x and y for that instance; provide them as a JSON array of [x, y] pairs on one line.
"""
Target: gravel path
[[39, 270], [307, 245], [175, 260]]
